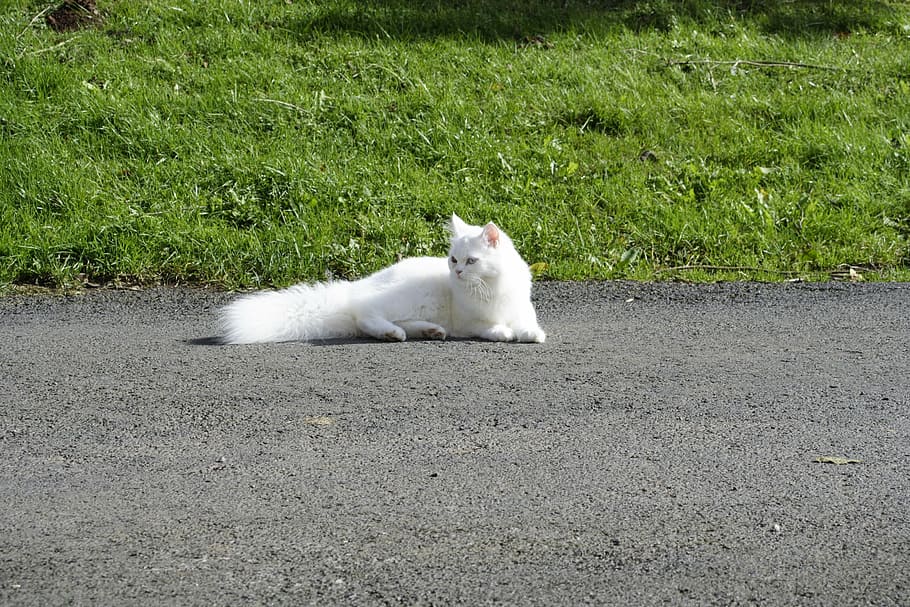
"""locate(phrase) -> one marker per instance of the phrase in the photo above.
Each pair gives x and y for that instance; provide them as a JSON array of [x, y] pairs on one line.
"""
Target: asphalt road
[[659, 449]]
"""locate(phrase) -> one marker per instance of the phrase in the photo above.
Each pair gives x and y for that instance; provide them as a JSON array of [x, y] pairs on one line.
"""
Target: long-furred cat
[[482, 290]]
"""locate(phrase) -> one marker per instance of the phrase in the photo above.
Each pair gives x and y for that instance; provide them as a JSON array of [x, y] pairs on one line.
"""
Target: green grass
[[263, 143]]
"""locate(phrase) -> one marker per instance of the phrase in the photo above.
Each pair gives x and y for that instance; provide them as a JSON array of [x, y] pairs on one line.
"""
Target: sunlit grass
[[264, 143]]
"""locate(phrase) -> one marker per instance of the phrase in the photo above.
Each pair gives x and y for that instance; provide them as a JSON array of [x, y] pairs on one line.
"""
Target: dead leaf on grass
[[539, 268]]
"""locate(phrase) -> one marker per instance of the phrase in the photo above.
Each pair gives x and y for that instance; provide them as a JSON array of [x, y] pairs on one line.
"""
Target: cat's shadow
[[338, 341], [204, 341]]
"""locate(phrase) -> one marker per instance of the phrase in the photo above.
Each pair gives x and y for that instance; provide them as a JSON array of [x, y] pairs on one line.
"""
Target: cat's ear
[[456, 226], [491, 235]]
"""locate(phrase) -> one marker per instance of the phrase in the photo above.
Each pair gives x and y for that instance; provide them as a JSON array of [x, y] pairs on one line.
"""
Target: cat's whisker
[[481, 290]]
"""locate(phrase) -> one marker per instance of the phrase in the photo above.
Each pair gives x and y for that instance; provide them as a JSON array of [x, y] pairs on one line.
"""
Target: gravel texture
[[660, 448]]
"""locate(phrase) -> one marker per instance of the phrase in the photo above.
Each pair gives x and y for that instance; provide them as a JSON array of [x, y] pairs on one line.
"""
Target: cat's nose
[[458, 273]]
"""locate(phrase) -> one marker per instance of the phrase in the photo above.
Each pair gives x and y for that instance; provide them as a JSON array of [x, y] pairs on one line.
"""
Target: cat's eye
[[471, 260], [452, 259]]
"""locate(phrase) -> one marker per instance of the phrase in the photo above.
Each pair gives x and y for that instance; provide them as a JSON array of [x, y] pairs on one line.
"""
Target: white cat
[[482, 290]]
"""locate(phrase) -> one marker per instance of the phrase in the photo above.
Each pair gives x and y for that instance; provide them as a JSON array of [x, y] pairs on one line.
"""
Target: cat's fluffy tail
[[301, 312]]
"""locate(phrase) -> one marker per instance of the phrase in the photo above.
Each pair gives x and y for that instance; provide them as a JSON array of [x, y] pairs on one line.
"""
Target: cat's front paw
[[499, 333], [535, 335]]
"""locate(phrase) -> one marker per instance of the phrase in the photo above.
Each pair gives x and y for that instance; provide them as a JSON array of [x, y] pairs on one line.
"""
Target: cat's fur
[[482, 290]]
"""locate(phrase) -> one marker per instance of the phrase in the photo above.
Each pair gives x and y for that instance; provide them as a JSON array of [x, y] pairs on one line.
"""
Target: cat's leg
[[380, 328], [525, 325], [422, 328]]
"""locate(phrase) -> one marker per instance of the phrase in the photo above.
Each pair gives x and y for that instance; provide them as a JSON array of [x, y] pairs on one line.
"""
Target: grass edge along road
[[253, 144]]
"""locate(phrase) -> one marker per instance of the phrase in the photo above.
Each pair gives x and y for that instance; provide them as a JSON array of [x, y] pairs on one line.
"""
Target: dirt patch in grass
[[73, 15]]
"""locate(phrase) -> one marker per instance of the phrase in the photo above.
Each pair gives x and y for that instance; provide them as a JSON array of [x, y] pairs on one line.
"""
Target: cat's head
[[477, 254]]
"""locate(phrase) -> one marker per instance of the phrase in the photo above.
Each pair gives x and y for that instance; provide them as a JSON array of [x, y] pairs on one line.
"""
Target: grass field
[[262, 143]]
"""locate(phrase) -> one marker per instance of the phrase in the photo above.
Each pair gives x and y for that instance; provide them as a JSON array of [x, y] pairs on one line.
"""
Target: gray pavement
[[659, 449]]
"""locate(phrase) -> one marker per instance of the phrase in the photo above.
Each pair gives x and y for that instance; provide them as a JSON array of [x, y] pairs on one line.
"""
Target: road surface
[[660, 448]]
